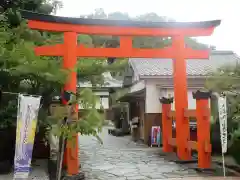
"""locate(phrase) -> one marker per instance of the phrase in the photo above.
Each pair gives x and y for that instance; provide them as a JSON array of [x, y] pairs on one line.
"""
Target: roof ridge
[[133, 65], [218, 52]]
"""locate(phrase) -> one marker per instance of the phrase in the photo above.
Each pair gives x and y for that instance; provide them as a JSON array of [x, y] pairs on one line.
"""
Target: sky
[[225, 37]]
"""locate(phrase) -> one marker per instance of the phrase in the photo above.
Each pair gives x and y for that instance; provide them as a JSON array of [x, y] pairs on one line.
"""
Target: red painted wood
[[203, 133], [166, 128], [119, 31], [69, 62], [53, 50], [122, 52], [181, 98]]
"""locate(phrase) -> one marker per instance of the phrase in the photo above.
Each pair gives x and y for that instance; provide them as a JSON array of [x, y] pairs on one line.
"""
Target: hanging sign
[[222, 109], [155, 135], [28, 108]]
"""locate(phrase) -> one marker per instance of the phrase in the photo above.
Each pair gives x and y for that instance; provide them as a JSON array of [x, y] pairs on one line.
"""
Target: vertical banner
[[222, 110], [28, 108], [155, 136]]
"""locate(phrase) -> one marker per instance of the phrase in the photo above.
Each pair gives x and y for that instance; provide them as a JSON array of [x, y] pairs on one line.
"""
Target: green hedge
[[234, 151]]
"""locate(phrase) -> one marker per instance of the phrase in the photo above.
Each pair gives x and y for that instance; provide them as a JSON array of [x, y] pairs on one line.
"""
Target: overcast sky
[[225, 37]]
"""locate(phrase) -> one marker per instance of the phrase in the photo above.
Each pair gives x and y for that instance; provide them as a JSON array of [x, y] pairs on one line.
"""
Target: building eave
[[171, 77]]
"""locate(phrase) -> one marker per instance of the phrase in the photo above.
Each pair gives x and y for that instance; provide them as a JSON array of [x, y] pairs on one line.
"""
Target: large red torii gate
[[126, 30]]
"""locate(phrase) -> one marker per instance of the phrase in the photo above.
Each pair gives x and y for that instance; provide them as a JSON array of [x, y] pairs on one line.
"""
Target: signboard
[[222, 109], [28, 108], [155, 135]]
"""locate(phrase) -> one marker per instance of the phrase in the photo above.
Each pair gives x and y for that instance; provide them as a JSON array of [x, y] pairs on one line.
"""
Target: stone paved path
[[120, 159]]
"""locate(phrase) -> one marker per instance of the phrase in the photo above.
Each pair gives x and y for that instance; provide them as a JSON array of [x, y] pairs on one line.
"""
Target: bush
[[235, 150]]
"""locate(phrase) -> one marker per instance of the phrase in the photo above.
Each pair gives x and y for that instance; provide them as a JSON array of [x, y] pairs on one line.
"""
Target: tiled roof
[[196, 67], [109, 82]]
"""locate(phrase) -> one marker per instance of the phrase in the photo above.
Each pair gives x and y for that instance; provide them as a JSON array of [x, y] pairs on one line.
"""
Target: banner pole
[[61, 151], [223, 164]]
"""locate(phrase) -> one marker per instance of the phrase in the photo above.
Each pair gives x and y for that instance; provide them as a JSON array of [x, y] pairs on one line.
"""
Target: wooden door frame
[[141, 118]]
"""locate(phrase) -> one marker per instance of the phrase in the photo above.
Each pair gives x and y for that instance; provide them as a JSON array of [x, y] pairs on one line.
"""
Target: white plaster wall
[[152, 103], [105, 100], [157, 88]]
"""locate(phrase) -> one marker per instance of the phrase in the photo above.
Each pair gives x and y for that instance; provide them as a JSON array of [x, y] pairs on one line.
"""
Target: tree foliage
[[22, 71], [227, 80], [89, 122], [140, 42]]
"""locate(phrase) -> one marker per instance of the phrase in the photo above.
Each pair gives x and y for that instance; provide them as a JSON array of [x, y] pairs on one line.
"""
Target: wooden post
[[181, 98], [203, 129], [69, 62], [166, 124]]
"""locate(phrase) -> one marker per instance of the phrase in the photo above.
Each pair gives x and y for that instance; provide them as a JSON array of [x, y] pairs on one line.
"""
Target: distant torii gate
[[126, 30]]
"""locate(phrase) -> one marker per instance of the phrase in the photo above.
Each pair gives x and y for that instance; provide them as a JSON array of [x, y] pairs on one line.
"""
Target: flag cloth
[[28, 108], [222, 109]]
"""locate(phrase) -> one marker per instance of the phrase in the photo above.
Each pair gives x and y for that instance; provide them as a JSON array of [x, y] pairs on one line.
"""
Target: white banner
[[222, 110], [28, 108]]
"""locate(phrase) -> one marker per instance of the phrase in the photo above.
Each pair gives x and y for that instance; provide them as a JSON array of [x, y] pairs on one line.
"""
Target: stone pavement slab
[[121, 159]]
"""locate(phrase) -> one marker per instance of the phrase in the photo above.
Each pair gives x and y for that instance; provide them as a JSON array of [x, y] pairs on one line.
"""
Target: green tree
[[22, 71], [139, 42], [227, 80]]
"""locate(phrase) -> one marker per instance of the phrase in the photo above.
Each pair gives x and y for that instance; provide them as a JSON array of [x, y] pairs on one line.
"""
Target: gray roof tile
[[109, 82], [196, 67]]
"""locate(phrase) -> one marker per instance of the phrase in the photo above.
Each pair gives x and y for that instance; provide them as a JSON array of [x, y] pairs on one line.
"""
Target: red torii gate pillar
[[69, 62], [126, 29], [181, 97]]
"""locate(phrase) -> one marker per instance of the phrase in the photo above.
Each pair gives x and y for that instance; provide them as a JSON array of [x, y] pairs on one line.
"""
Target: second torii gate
[[126, 30]]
